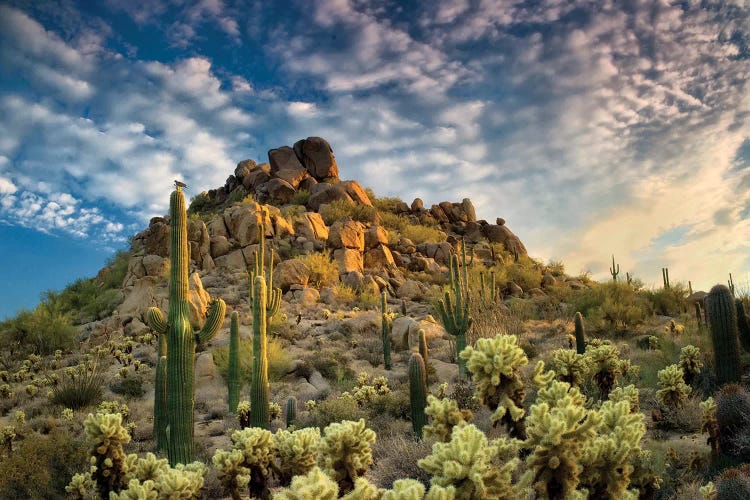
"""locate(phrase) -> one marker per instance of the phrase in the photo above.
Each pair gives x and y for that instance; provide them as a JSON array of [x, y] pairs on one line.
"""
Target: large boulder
[[243, 222], [355, 190], [279, 190], [260, 175], [220, 245], [375, 235], [441, 252], [290, 272], [283, 158], [317, 157], [379, 258], [347, 234], [348, 260], [324, 193], [243, 168], [496, 233], [311, 226]]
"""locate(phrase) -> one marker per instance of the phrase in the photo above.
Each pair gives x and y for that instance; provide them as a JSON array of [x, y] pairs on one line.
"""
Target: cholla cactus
[[315, 485], [628, 393], [67, 414], [605, 363], [345, 452], [467, 463], [114, 407], [274, 410], [710, 425], [243, 413], [108, 435], [233, 475], [256, 446], [81, 486], [690, 362], [297, 452], [569, 366], [444, 416], [7, 435], [495, 365], [559, 428], [709, 491], [608, 458], [673, 391], [405, 489], [6, 392], [20, 418], [145, 469]]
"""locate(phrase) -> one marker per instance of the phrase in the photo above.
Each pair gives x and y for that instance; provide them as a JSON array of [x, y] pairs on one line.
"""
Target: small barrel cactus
[[722, 315]]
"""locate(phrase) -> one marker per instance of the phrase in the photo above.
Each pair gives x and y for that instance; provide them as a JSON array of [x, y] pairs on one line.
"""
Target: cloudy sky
[[593, 127]]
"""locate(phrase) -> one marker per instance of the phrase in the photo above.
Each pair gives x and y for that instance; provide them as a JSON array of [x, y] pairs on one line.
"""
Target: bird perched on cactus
[[175, 396]]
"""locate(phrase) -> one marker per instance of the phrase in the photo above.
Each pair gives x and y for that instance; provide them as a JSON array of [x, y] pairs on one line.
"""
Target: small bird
[[179, 184]]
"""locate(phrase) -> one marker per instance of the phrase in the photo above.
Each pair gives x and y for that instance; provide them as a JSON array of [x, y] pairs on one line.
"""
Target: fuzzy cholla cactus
[[709, 424], [444, 416], [606, 365], [495, 365], [690, 362], [243, 413], [473, 466], [315, 485], [608, 458], [233, 475], [183, 481], [256, 446], [345, 452], [558, 429], [107, 434], [297, 452], [569, 366], [673, 391], [628, 393]]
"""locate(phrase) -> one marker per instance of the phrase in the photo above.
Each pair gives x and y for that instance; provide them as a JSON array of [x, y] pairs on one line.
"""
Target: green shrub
[[334, 410], [85, 390], [42, 465], [131, 387], [668, 301], [525, 273], [42, 331], [301, 197], [611, 305], [418, 233], [387, 204], [279, 361], [323, 270], [199, 203], [393, 222], [343, 209]]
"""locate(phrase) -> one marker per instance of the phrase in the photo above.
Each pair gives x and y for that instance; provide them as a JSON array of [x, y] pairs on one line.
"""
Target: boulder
[[282, 227], [232, 260], [217, 227], [323, 193], [404, 328], [441, 252], [311, 226], [548, 280], [514, 290], [279, 190], [155, 265], [198, 300], [283, 158], [379, 258], [355, 190], [317, 157], [496, 233], [425, 264], [220, 245], [307, 296], [259, 176], [375, 235], [417, 205], [347, 234], [156, 237], [410, 290], [360, 282], [243, 168], [348, 260], [243, 222], [290, 272]]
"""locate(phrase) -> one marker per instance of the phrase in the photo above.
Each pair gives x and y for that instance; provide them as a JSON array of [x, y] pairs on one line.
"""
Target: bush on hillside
[[279, 361], [41, 331], [343, 209], [323, 271]]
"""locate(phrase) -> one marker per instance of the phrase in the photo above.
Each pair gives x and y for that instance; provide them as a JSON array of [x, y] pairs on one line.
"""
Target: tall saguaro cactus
[[665, 277], [234, 363], [417, 393], [259, 387], [273, 295], [454, 307], [580, 334], [722, 316], [614, 270], [386, 326], [180, 342]]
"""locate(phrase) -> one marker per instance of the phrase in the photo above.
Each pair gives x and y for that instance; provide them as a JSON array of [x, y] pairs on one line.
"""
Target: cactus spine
[[180, 339], [722, 315], [614, 270], [417, 393], [291, 411], [386, 325], [665, 277], [273, 295], [234, 363], [454, 312], [580, 334], [259, 388]]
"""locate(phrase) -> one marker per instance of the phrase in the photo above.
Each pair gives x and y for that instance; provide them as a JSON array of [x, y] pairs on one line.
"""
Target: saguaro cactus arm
[[214, 319], [615, 269], [156, 321]]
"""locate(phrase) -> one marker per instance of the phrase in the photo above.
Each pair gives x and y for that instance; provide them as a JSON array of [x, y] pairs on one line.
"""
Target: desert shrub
[[369, 300], [522, 309], [371, 350], [334, 410], [42, 331], [396, 458], [387, 204], [556, 268], [323, 270], [199, 203], [668, 301], [42, 465], [418, 233], [344, 293], [343, 209], [525, 273], [393, 222], [301, 197], [279, 361], [131, 387], [611, 305], [332, 365], [79, 392], [238, 195]]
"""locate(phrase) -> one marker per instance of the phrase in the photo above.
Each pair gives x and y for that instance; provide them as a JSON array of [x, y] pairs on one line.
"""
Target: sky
[[593, 127]]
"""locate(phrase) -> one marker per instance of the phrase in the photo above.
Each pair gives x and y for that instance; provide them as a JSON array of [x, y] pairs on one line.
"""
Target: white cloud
[[6, 186]]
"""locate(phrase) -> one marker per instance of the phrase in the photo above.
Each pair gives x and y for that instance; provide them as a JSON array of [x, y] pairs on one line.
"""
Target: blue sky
[[592, 127]]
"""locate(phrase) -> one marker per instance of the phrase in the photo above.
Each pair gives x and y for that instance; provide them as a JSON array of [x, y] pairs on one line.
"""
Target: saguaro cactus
[[291, 411], [743, 325], [181, 340], [234, 363], [614, 270], [580, 334], [386, 326], [417, 393], [259, 387], [273, 295], [665, 277], [454, 308], [722, 315]]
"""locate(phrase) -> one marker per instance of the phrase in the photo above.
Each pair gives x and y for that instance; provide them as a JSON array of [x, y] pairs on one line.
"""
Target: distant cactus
[[743, 325], [614, 270], [722, 314], [628, 278], [454, 308], [697, 306], [180, 343], [730, 283], [690, 362], [580, 333], [234, 363], [710, 425], [606, 365], [444, 416], [291, 412], [259, 385], [473, 466], [386, 327], [273, 295], [665, 277], [345, 452], [417, 393]]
